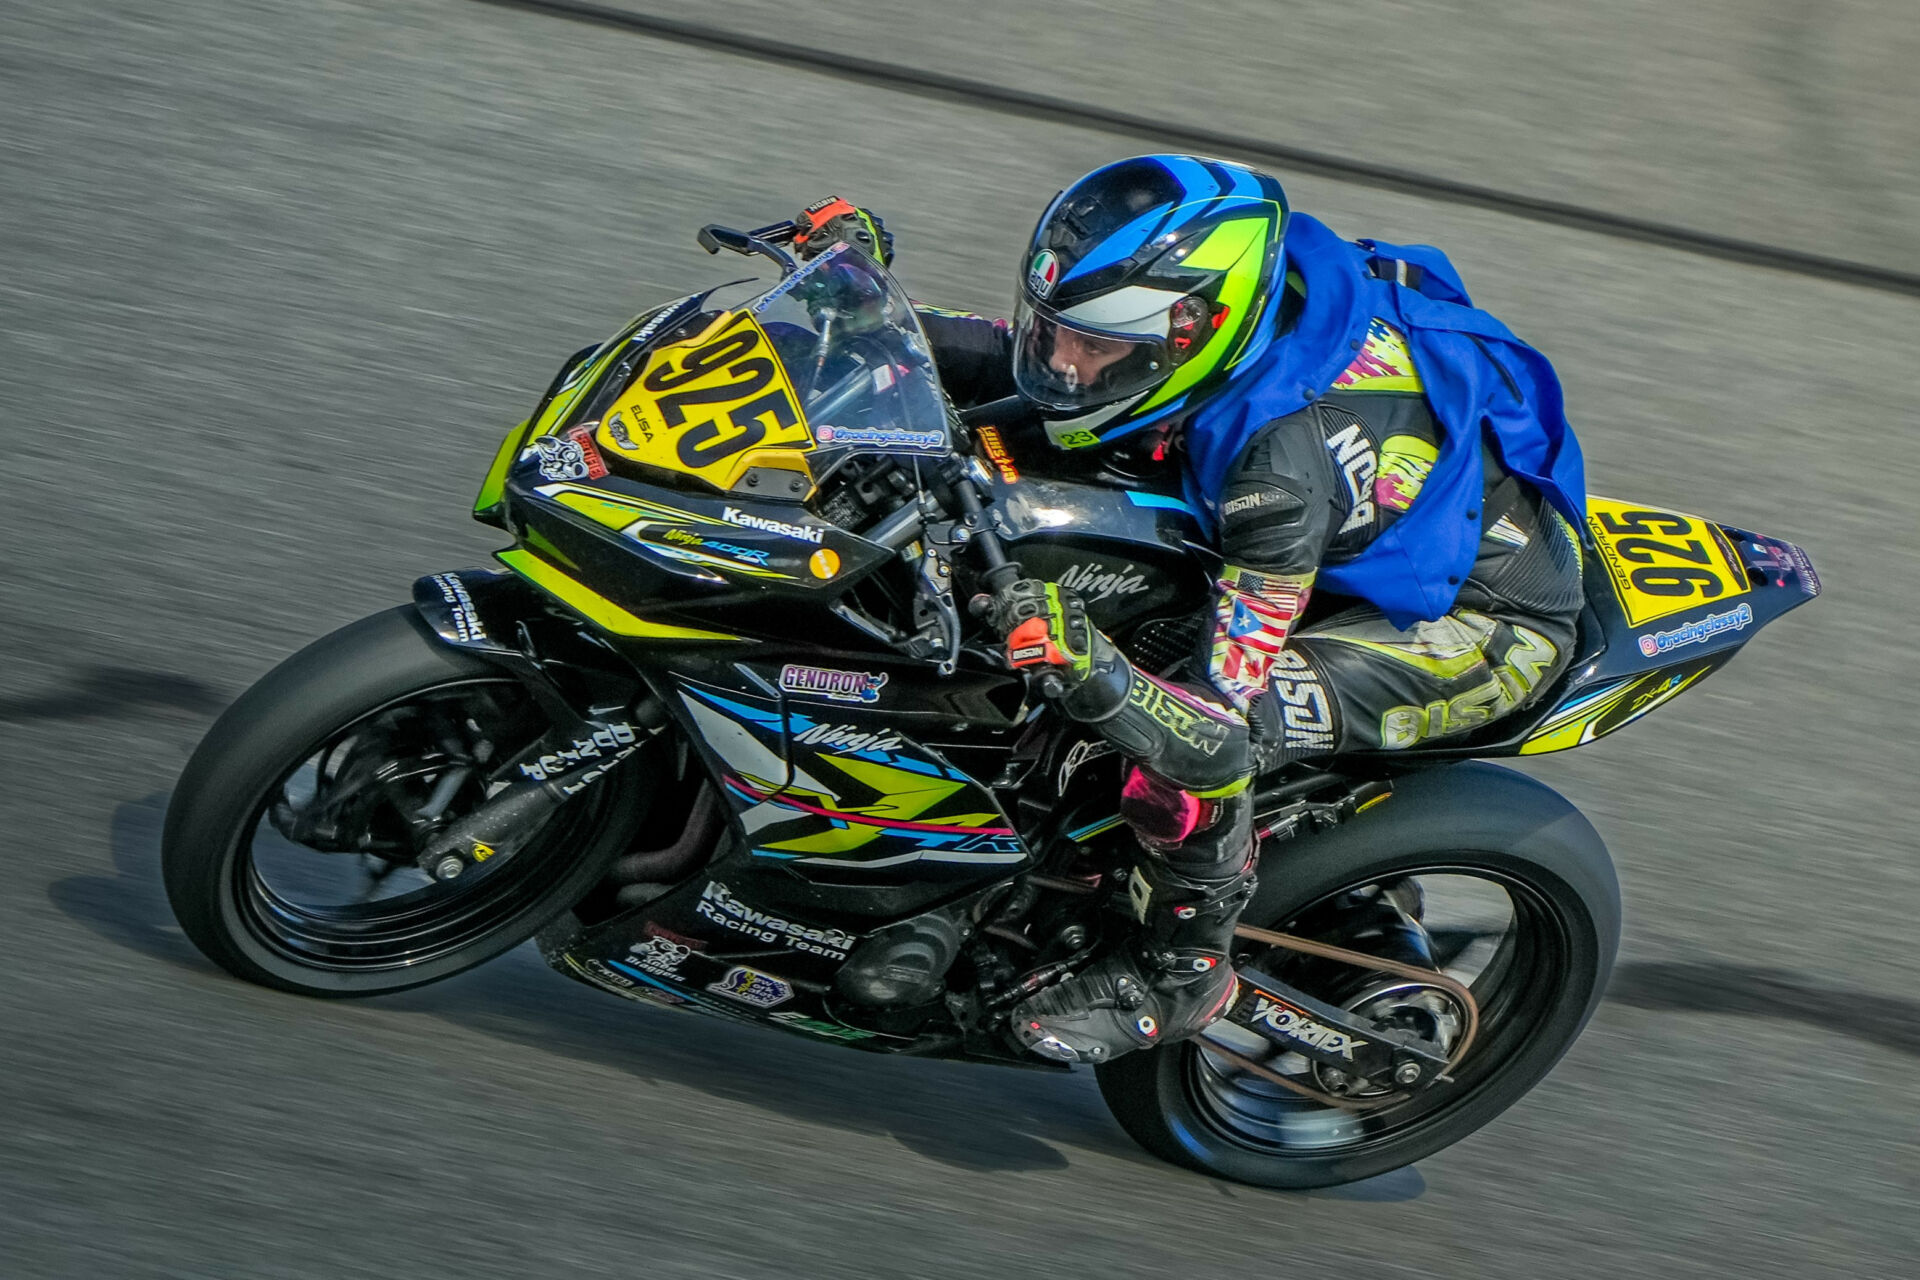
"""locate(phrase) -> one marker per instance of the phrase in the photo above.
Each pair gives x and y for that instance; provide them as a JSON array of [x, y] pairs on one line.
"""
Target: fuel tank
[[1130, 554]]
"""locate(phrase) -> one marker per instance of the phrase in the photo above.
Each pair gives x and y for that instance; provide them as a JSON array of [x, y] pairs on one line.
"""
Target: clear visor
[[1062, 365]]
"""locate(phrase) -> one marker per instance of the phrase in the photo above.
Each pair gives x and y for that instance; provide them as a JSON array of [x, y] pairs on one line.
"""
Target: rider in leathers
[[1149, 288]]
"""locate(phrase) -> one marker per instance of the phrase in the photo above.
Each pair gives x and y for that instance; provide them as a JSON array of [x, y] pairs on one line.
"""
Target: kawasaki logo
[[746, 520], [719, 905]]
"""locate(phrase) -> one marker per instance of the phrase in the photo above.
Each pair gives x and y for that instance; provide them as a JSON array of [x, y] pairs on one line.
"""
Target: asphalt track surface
[[273, 279]]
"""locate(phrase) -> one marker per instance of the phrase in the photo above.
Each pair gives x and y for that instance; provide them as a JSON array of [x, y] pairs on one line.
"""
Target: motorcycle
[[720, 736]]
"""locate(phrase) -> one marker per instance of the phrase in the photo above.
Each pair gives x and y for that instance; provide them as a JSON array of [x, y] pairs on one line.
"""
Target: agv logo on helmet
[[1043, 273]]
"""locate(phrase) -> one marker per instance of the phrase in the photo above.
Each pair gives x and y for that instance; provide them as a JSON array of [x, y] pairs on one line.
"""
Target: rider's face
[[1081, 359]]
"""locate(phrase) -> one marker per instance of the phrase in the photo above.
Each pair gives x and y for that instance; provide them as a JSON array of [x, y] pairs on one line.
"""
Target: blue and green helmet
[[1147, 285]]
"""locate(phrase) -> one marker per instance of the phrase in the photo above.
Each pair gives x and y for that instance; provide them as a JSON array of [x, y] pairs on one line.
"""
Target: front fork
[[487, 613]]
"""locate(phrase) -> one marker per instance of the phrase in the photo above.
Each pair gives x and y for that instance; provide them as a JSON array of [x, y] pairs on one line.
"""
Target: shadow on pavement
[[969, 1116], [1768, 993], [99, 691], [989, 1119], [130, 906], [950, 1113]]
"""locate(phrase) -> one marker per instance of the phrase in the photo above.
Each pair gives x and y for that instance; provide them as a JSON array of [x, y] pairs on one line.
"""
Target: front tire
[[384, 675], [1537, 985]]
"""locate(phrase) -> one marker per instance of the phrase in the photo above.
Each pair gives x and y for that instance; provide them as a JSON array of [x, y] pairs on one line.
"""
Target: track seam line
[[980, 93]]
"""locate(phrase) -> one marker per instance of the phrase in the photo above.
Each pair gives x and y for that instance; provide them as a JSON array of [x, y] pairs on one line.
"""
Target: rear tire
[[312, 698], [1481, 820]]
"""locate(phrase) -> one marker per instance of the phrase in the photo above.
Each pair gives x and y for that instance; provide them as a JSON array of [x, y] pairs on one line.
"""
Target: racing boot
[[1176, 975], [1187, 803]]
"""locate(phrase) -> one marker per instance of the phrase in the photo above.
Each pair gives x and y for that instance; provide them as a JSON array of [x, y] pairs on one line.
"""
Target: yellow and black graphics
[[577, 382], [713, 406], [708, 544], [1663, 562], [1405, 463], [1500, 666], [821, 790], [1594, 713], [707, 541]]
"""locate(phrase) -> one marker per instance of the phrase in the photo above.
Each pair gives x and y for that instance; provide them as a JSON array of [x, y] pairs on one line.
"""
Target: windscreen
[[859, 364], [829, 362]]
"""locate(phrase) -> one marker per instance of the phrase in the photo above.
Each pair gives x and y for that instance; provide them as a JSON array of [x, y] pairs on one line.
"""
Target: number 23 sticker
[[1662, 562], [704, 402]]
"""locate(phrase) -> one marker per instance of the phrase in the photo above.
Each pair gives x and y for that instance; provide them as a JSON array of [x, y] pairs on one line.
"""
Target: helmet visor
[[1069, 366]]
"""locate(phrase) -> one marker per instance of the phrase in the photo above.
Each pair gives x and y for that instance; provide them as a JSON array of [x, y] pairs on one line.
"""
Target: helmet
[[1148, 284]]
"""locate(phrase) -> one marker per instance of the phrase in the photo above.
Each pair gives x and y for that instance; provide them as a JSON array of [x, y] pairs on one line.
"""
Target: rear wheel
[[291, 840], [1507, 889]]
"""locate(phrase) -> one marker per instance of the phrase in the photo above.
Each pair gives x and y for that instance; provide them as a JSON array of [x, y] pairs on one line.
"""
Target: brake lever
[[776, 232], [713, 238]]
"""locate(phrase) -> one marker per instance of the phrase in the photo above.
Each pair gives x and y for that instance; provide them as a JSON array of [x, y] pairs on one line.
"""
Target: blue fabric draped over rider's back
[[1476, 372]]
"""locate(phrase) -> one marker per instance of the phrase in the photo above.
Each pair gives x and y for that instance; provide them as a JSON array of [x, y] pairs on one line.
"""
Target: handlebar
[[1002, 572], [995, 410]]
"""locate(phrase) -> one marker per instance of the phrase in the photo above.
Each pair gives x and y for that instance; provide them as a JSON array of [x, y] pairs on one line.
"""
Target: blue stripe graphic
[[1157, 500], [765, 719], [1121, 243], [1195, 178]]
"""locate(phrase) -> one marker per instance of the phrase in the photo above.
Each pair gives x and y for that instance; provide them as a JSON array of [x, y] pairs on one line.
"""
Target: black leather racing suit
[[1308, 490], [1313, 489]]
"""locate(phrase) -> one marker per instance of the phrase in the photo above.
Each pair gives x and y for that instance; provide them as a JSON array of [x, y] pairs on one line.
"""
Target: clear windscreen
[[828, 362], [860, 365]]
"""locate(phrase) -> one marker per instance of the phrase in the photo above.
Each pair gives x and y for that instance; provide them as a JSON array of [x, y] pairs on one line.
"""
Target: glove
[[1045, 626], [825, 221]]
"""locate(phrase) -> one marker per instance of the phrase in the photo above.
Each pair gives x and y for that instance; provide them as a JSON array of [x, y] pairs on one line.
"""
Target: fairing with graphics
[[1130, 554], [1670, 598]]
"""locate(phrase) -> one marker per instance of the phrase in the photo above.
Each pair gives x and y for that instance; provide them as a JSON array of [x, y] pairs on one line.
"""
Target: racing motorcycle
[[720, 734]]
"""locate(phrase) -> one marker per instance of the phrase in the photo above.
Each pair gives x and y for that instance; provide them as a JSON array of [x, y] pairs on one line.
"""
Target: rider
[[1346, 424]]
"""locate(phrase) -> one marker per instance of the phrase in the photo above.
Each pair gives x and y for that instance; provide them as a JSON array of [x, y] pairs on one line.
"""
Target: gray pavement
[[273, 280], [1788, 122]]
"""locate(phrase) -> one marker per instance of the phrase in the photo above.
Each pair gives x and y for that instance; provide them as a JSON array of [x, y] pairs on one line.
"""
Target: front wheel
[[291, 839], [1477, 871]]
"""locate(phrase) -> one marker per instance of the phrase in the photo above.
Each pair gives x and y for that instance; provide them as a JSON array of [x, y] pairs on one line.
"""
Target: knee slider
[[1196, 835]]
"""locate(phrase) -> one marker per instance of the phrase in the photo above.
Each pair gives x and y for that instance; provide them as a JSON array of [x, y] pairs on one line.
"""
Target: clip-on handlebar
[[1001, 572]]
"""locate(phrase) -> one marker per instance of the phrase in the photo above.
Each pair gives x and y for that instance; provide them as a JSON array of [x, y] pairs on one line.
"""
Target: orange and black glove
[[833, 219], [1045, 626]]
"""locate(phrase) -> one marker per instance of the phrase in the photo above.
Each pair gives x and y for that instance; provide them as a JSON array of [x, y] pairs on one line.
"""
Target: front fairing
[[751, 390]]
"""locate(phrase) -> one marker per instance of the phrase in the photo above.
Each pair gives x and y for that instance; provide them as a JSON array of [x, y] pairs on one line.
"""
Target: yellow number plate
[[707, 405], [1662, 562]]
